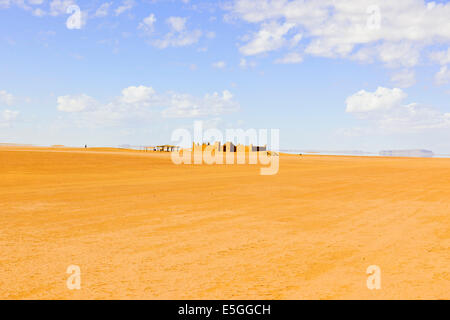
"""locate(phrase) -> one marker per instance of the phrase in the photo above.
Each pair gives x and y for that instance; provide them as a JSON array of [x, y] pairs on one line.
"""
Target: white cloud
[[179, 35], [148, 23], [381, 99], [386, 110], [393, 32], [244, 63], [404, 78], [187, 106], [269, 37], [177, 24], [5, 4], [398, 54], [103, 10], [7, 116], [55, 8], [293, 57], [140, 103], [20, 3], [178, 40], [6, 98], [58, 7], [219, 64], [76, 103], [210, 34], [125, 6], [442, 57], [137, 95], [38, 12], [443, 76]]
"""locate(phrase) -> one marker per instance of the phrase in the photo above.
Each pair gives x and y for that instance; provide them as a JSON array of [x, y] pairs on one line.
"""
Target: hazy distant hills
[[422, 153], [7, 144], [407, 153], [340, 152]]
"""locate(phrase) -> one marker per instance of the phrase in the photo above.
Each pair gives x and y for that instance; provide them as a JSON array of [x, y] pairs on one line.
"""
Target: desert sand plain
[[141, 227]]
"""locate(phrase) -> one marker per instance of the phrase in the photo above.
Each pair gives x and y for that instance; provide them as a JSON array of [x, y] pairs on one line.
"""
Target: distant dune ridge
[[8, 144], [407, 153], [329, 152]]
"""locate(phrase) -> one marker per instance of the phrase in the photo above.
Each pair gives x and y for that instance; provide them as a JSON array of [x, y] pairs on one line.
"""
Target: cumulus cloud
[[442, 57], [77, 19], [7, 116], [38, 12], [76, 103], [103, 10], [6, 98], [386, 110], [382, 99], [179, 35], [292, 57], [177, 24], [187, 106], [141, 94], [58, 7], [5, 4], [398, 54], [23, 4], [269, 37], [141, 103], [244, 63], [404, 78], [125, 6], [148, 23], [219, 64], [210, 34], [443, 76], [393, 32]]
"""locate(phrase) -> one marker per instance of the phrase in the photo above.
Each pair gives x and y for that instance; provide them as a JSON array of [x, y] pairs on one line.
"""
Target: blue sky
[[331, 75]]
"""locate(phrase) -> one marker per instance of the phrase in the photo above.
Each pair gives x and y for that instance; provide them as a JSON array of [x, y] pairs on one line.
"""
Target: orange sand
[[140, 227]]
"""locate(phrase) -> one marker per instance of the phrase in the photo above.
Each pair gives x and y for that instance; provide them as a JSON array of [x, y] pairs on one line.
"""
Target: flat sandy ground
[[141, 227]]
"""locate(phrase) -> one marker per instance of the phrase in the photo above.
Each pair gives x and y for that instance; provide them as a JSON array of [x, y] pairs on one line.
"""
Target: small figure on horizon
[[85, 146]]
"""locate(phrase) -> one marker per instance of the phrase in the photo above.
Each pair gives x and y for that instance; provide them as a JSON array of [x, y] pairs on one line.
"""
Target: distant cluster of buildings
[[217, 146], [163, 148], [228, 147]]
